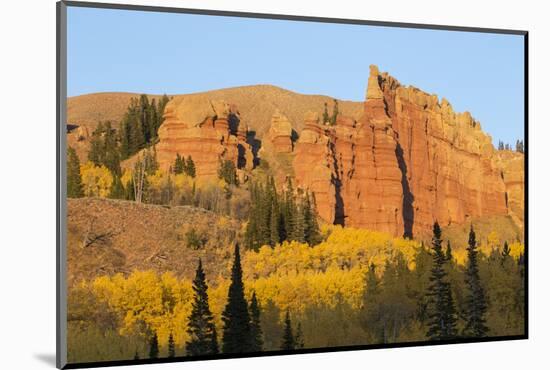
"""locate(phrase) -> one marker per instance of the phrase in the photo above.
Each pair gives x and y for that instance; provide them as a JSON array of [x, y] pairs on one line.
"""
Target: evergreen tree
[[111, 154], [325, 115], [500, 145], [178, 165], [299, 338], [235, 317], [171, 347], [274, 224], [214, 349], [228, 172], [312, 234], [256, 334], [449, 252], [201, 329], [117, 189], [74, 179], [441, 310], [190, 167], [153, 346], [519, 146], [288, 342], [506, 250], [476, 305], [96, 151], [334, 113]]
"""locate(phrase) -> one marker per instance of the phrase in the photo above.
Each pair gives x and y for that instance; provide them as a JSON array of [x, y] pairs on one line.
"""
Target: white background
[[27, 183]]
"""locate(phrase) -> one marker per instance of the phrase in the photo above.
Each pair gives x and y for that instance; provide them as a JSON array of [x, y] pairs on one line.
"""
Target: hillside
[[256, 105], [110, 236]]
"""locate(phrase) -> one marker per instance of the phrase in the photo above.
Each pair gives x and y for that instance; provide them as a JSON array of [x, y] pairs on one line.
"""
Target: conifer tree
[[111, 154], [74, 179], [190, 169], [476, 304], [96, 152], [178, 165], [235, 317], [334, 113], [201, 329], [153, 346], [274, 224], [325, 115], [214, 348], [312, 234], [299, 338], [288, 342], [171, 346], [117, 189], [506, 250], [441, 310], [256, 334], [449, 252]]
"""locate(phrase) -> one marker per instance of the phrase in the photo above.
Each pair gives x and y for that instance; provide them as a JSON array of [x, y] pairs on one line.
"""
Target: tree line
[[519, 146], [242, 331], [278, 216]]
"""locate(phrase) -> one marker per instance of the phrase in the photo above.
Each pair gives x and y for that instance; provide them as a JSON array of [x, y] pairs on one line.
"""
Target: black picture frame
[[61, 196]]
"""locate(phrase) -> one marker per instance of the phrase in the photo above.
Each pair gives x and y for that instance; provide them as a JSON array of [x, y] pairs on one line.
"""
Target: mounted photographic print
[[235, 184]]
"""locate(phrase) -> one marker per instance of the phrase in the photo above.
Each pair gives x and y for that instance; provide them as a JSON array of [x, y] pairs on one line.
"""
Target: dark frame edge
[[289, 17], [61, 190]]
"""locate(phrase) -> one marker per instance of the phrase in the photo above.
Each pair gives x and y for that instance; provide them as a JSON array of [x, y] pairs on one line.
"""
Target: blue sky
[[131, 51]]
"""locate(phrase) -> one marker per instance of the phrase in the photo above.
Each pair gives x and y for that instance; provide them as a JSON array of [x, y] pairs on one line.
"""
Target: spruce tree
[[214, 349], [235, 317], [299, 338], [288, 342], [476, 304], [153, 346], [506, 250], [449, 252], [190, 169], [117, 189], [178, 165], [441, 311], [312, 234], [171, 347], [256, 334], [325, 115], [74, 179], [201, 329], [334, 113], [274, 225], [97, 150]]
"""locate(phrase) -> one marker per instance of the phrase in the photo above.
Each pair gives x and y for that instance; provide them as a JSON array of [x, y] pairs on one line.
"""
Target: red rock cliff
[[408, 161]]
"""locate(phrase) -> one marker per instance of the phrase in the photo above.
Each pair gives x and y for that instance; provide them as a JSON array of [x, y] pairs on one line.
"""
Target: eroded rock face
[[200, 128], [512, 164], [407, 162], [280, 133]]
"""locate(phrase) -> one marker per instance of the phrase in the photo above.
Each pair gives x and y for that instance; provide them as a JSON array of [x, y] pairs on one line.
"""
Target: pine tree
[[299, 338], [74, 179], [325, 115], [256, 334], [506, 250], [153, 346], [228, 172], [190, 167], [476, 304], [441, 310], [214, 349], [117, 189], [235, 317], [171, 347], [334, 113], [449, 252], [97, 150], [500, 145], [274, 225], [111, 153], [288, 342], [201, 329], [312, 234], [178, 165]]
